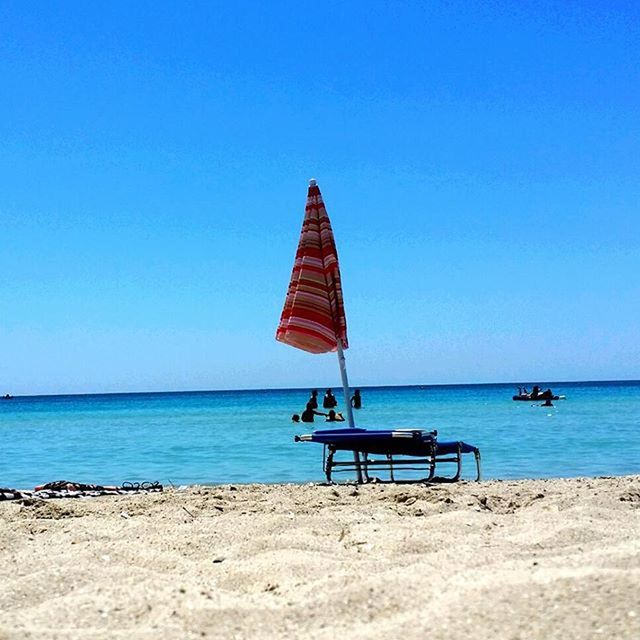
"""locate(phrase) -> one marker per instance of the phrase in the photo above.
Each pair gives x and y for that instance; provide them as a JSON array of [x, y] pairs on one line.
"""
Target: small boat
[[7, 396], [540, 398], [535, 395]]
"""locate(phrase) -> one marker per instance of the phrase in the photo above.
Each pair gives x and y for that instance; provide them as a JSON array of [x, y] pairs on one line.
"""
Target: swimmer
[[329, 401], [309, 413]]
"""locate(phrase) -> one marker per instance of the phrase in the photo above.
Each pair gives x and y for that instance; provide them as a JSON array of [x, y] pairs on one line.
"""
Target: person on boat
[[334, 417], [524, 391], [309, 413], [356, 399], [535, 392], [313, 399], [329, 401]]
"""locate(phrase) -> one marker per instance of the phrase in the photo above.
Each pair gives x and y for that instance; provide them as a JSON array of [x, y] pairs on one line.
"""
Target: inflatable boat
[[539, 398]]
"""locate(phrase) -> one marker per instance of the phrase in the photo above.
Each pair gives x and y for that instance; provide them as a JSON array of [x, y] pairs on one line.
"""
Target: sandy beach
[[526, 559]]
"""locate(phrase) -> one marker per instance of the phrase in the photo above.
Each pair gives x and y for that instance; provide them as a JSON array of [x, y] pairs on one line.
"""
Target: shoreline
[[540, 558], [185, 487], [171, 487]]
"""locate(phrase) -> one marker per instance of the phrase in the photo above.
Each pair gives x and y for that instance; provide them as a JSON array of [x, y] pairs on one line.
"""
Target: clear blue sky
[[480, 163]]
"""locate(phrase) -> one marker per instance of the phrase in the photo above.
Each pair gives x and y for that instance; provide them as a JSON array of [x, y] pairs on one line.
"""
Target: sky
[[479, 162]]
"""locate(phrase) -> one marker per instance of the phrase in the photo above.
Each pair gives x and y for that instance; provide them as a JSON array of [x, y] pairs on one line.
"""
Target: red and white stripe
[[313, 317]]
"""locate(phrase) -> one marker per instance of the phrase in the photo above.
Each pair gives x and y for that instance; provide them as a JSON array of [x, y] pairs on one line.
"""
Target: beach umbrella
[[313, 317]]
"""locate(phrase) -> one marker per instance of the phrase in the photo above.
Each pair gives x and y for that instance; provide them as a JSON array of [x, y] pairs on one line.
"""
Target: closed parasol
[[313, 317]]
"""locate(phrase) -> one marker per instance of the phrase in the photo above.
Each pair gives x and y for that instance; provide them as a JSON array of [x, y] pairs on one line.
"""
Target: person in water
[[309, 413], [329, 401], [537, 394], [295, 417], [356, 399], [547, 403], [334, 417], [313, 399]]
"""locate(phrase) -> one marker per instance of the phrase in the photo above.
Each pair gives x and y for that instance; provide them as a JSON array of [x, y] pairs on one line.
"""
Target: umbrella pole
[[347, 402]]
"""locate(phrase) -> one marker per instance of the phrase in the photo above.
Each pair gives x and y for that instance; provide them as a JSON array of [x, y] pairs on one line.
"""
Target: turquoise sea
[[247, 436]]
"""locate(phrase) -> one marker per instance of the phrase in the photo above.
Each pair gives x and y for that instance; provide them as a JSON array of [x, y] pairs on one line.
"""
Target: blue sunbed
[[410, 449]]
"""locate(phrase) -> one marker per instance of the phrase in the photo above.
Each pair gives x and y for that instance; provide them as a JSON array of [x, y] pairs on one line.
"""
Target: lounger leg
[[390, 459], [459, 461], [432, 470], [476, 453], [329, 465], [364, 477], [356, 460]]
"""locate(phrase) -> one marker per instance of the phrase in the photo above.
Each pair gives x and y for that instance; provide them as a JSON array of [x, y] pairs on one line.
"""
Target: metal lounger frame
[[364, 463]]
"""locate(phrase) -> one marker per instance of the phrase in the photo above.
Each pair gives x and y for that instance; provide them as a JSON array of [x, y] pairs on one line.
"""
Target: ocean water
[[247, 436]]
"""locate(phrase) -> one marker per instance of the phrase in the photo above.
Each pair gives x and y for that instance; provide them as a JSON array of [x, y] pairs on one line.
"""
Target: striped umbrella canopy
[[313, 317]]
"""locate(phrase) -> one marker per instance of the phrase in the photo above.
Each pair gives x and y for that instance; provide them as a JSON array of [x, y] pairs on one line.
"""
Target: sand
[[530, 559]]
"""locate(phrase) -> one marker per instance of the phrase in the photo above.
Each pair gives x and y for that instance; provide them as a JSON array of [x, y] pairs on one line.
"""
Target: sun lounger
[[402, 449]]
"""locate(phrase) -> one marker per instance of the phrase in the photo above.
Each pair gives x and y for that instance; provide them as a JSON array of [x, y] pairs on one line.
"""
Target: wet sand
[[528, 559]]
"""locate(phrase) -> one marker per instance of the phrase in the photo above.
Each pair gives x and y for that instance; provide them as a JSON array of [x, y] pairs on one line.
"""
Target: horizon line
[[370, 386]]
